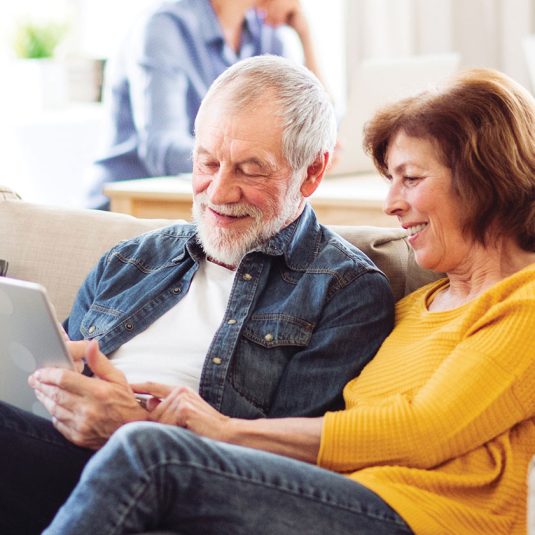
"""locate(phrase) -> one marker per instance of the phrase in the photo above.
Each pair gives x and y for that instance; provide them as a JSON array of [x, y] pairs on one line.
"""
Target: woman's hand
[[290, 12], [294, 437], [183, 407]]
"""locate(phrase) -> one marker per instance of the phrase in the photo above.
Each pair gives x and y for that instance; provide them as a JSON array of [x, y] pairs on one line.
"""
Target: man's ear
[[315, 172]]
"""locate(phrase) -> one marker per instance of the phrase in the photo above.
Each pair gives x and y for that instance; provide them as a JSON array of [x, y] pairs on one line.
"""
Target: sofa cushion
[[57, 246], [390, 251]]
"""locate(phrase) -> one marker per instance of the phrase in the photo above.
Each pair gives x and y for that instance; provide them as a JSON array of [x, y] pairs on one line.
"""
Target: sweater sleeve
[[480, 390]]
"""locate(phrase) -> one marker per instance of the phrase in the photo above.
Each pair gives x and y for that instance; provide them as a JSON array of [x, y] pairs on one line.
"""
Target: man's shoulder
[[335, 250], [161, 239], [315, 247]]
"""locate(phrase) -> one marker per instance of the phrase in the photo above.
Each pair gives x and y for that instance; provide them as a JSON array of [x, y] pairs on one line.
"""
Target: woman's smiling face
[[421, 195]]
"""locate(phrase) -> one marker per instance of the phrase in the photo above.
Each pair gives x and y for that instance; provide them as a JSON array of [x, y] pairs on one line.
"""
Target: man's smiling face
[[244, 189]]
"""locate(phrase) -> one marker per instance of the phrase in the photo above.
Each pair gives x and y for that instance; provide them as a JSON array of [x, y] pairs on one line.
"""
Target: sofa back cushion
[[57, 246]]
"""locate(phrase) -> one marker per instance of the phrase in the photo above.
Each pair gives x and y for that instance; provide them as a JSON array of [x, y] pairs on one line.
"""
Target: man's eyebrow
[[200, 150]]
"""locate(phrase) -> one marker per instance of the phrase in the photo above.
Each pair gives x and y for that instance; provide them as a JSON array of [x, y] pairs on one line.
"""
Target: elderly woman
[[439, 428]]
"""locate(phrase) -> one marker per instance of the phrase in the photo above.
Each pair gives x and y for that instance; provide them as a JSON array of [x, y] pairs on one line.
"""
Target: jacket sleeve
[[479, 391], [84, 299], [354, 323]]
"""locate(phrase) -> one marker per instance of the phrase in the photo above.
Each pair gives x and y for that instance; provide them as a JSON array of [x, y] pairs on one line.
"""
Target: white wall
[[487, 33]]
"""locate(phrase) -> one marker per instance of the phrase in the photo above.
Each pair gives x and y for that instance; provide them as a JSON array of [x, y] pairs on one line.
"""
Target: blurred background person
[[155, 84]]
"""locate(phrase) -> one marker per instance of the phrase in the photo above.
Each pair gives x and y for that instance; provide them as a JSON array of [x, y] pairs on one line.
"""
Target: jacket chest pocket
[[278, 330], [268, 343]]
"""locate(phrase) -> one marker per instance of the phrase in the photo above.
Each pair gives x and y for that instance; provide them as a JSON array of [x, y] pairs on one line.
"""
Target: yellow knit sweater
[[441, 423]]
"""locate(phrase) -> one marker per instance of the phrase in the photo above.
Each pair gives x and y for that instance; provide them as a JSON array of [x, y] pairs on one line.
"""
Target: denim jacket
[[306, 312]]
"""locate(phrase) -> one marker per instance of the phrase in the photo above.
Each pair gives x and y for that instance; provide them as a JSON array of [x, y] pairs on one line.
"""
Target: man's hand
[[184, 407], [87, 410], [77, 351]]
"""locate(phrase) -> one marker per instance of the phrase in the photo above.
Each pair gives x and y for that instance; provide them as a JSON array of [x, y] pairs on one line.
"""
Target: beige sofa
[[57, 246]]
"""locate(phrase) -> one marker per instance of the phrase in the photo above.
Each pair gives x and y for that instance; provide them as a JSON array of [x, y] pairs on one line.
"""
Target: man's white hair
[[305, 109]]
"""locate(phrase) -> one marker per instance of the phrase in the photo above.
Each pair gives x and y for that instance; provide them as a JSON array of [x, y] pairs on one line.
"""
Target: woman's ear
[[315, 172]]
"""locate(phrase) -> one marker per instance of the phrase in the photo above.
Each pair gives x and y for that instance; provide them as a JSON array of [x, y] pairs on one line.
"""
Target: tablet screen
[[30, 338]]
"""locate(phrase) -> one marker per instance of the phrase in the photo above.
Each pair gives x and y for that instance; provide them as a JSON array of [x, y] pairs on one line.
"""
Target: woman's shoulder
[[519, 285]]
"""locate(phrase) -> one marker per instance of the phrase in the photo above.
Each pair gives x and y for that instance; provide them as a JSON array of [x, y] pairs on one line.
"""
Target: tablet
[[30, 338]]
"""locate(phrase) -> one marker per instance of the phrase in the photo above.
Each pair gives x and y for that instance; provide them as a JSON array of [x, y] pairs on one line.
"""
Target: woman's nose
[[395, 203]]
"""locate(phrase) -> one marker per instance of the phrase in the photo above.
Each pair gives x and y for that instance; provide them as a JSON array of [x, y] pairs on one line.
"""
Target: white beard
[[230, 246]]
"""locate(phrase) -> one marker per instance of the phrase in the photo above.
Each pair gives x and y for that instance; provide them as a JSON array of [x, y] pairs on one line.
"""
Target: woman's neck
[[231, 14], [486, 267]]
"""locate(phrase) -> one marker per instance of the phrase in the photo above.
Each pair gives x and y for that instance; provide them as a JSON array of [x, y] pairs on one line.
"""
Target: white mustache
[[232, 210]]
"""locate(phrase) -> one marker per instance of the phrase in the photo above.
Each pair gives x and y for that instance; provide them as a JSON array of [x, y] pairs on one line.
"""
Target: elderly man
[[259, 308]]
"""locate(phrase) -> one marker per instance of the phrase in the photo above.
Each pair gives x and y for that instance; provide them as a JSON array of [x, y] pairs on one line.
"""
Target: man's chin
[[229, 244], [223, 245]]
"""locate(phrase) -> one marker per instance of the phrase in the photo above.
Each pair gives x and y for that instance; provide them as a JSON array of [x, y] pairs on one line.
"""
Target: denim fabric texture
[[155, 84], [306, 312], [152, 476]]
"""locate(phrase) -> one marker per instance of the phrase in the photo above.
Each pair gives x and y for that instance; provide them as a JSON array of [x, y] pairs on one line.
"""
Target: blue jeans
[[38, 470], [151, 476]]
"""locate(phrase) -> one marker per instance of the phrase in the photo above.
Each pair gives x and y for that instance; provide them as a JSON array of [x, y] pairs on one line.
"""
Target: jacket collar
[[211, 28], [297, 242]]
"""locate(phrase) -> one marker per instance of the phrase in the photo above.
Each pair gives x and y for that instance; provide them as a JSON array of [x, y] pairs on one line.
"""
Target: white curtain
[[487, 33]]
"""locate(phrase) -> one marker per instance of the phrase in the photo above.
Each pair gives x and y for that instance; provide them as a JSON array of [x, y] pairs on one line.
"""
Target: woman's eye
[[411, 179]]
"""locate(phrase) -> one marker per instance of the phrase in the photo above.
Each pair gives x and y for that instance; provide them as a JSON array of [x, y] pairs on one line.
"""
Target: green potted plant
[[40, 78], [37, 41]]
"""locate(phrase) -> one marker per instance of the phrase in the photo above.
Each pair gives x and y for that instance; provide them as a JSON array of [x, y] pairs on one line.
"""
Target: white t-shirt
[[172, 350]]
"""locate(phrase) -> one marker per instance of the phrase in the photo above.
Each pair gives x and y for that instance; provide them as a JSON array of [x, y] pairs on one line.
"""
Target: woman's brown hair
[[483, 125]]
